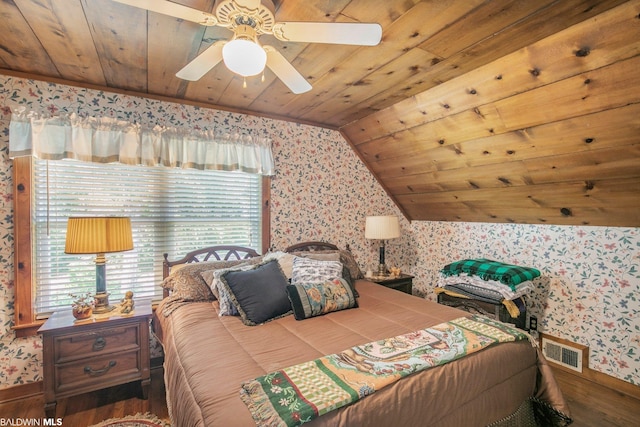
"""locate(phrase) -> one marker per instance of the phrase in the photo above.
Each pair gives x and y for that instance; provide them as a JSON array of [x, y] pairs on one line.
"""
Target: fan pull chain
[[244, 83], [262, 78]]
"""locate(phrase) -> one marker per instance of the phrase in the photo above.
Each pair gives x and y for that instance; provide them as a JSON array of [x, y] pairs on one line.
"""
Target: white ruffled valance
[[107, 140]]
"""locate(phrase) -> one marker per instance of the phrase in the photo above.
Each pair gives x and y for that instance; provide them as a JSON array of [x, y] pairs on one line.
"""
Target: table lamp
[[99, 235], [382, 228]]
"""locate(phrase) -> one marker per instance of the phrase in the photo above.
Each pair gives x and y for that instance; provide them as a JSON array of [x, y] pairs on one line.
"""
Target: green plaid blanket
[[486, 269]]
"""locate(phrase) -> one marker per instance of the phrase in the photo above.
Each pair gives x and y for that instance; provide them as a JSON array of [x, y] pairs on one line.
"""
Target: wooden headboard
[[311, 246], [227, 253], [212, 253]]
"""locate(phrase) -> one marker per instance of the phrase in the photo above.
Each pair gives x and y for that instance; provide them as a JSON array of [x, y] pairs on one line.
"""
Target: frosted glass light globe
[[244, 57]]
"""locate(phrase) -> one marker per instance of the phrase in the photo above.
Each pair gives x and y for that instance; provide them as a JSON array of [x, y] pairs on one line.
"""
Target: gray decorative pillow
[[213, 278], [187, 285], [307, 270], [345, 257], [259, 294]]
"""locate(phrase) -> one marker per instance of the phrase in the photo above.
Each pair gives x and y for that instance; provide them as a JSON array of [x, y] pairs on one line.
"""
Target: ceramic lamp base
[[102, 303]]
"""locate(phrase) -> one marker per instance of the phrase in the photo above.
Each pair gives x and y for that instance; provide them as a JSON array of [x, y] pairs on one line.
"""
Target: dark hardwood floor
[[592, 405], [91, 408]]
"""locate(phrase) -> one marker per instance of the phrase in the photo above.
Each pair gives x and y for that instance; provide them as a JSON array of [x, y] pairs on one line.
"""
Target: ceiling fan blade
[[285, 71], [173, 9], [355, 33], [202, 63]]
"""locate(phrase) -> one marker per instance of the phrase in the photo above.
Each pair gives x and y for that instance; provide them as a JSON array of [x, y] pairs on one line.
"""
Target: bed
[[207, 357]]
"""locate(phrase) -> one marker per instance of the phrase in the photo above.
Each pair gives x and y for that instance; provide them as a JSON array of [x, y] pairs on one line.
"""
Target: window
[[172, 211]]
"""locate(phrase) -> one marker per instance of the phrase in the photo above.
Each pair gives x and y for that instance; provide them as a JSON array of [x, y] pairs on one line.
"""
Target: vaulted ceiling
[[523, 111]]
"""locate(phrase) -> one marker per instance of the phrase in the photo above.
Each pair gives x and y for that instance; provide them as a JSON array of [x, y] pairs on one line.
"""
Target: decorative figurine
[[126, 306]]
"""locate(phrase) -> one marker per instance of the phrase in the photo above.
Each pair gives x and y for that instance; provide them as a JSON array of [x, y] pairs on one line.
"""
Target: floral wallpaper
[[589, 290], [316, 168], [322, 191]]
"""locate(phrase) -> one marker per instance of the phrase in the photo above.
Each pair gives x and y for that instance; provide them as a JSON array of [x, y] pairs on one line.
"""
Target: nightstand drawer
[[402, 283], [104, 369], [79, 346]]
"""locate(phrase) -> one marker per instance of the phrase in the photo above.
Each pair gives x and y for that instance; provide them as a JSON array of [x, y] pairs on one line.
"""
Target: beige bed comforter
[[207, 358]]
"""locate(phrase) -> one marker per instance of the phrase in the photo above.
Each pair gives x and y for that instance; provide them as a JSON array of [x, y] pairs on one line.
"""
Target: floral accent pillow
[[315, 299], [307, 270]]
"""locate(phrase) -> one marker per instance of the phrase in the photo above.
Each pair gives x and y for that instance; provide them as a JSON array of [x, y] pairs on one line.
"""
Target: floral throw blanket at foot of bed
[[298, 394]]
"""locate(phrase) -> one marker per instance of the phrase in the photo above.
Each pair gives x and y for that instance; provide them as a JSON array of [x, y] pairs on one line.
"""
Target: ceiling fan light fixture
[[243, 55]]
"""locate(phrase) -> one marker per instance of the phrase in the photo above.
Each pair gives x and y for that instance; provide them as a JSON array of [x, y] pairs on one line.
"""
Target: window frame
[[25, 322]]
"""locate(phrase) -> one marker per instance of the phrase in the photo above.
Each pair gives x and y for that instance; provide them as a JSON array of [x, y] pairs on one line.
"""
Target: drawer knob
[[99, 344], [95, 373]]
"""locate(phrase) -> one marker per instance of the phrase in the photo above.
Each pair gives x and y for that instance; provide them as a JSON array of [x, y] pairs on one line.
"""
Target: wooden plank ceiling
[[476, 110]]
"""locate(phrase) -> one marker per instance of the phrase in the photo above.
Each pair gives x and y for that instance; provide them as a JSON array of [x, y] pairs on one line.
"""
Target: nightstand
[[403, 282], [92, 354]]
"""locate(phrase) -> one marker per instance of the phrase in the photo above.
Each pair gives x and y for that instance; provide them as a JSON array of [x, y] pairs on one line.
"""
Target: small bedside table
[[402, 283], [92, 354]]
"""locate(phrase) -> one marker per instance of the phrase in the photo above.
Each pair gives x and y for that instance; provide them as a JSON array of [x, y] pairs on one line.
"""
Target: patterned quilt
[[300, 393]]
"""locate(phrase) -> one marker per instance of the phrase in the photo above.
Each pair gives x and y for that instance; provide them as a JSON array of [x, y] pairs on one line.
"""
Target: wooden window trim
[[266, 214], [25, 322]]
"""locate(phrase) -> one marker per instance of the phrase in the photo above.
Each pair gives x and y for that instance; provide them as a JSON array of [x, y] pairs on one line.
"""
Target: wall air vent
[[564, 353]]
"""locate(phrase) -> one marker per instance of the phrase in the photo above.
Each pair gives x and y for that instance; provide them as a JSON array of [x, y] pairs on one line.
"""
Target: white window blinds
[[172, 211]]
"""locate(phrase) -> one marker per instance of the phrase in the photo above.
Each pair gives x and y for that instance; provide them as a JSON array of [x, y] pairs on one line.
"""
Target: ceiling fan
[[248, 19]]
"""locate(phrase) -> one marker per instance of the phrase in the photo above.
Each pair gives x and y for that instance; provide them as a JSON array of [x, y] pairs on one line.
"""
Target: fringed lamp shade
[[382, 228], [99, 235]]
